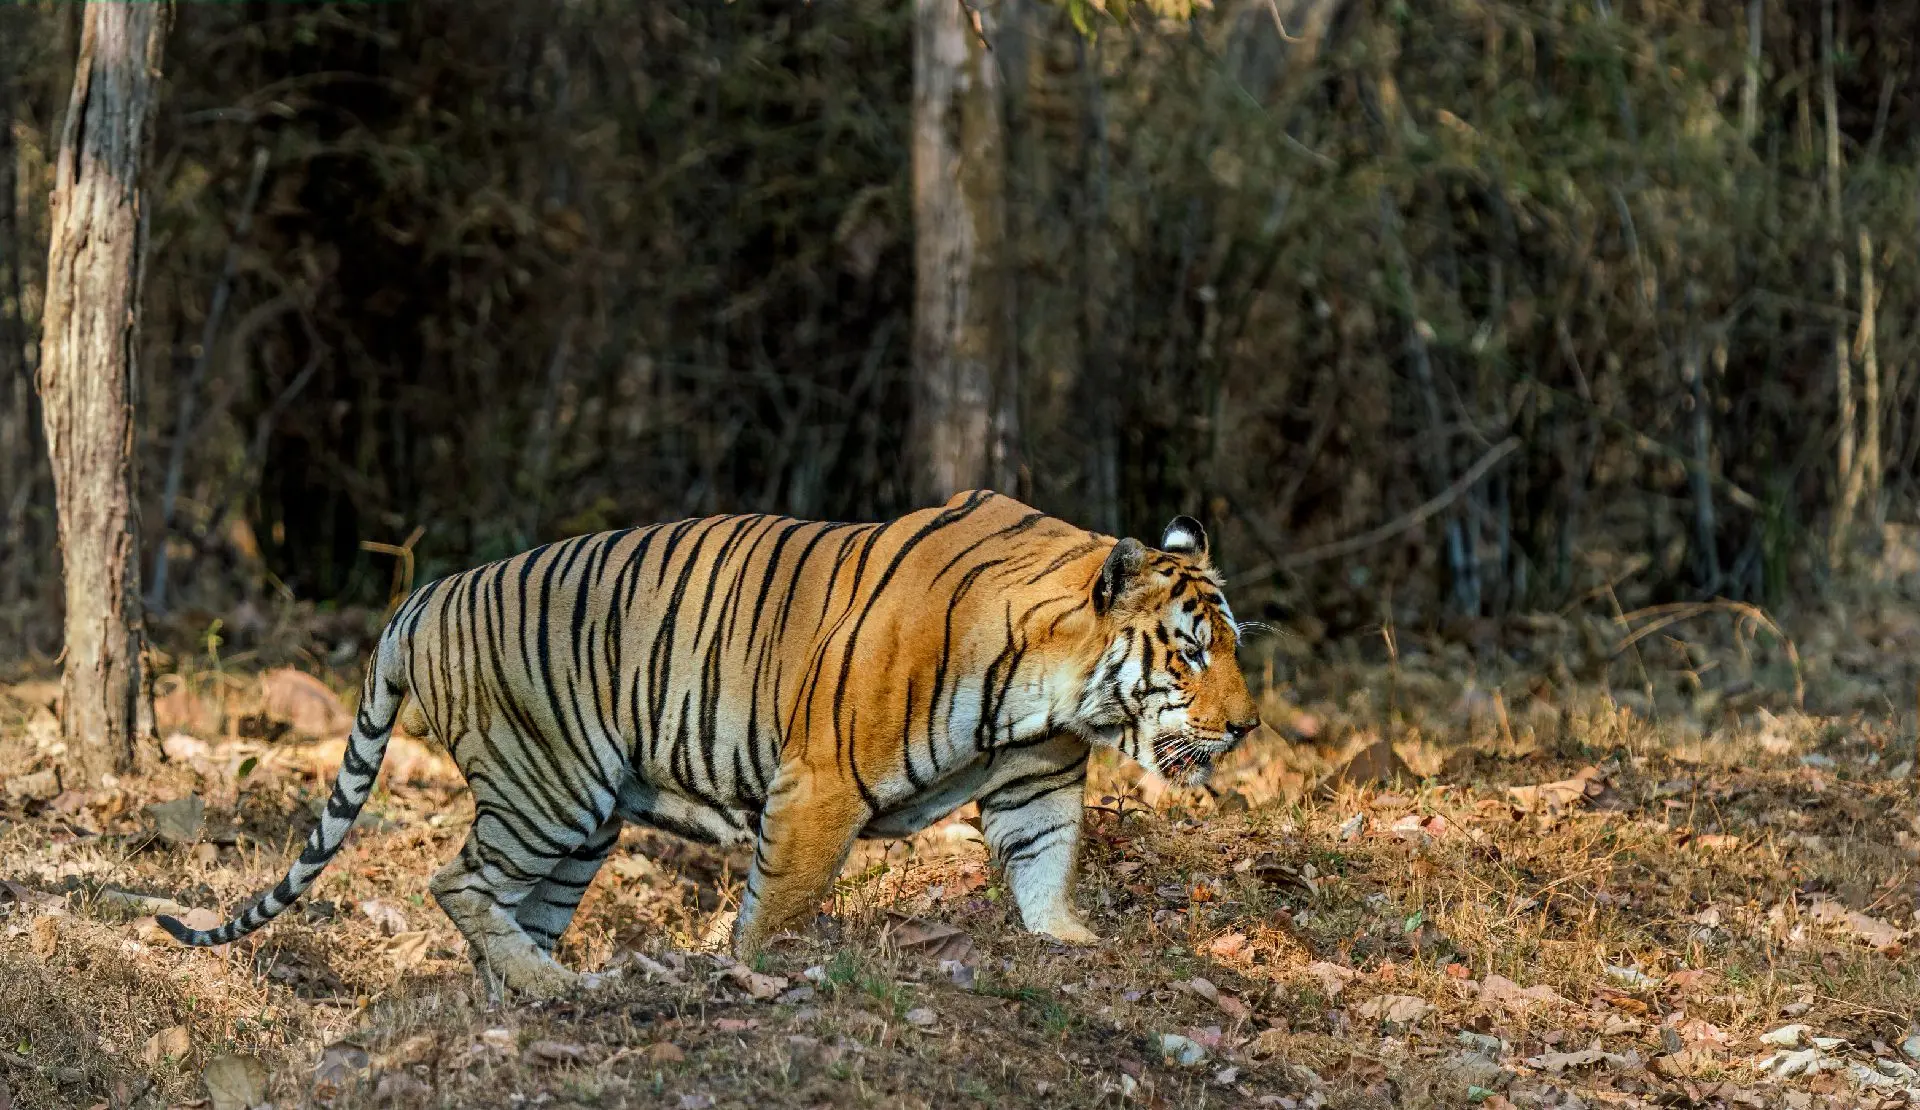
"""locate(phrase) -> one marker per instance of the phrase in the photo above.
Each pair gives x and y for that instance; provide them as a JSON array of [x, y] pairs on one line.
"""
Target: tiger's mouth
[[1188, 760]]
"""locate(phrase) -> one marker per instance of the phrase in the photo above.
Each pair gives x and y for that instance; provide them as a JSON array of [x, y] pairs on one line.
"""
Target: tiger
[[794, 686]]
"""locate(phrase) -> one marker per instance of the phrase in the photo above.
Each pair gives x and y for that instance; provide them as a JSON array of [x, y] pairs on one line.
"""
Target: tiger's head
[[1166, 689]]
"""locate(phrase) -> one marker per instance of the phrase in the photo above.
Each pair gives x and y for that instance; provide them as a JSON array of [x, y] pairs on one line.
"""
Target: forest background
[[1519, 299]]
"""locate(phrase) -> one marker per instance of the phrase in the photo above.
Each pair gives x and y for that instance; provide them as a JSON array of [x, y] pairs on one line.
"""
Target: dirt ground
[[1594, 859]]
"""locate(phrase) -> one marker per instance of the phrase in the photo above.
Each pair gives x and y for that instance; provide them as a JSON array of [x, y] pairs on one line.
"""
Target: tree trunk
[[88, 375], [965, 416]]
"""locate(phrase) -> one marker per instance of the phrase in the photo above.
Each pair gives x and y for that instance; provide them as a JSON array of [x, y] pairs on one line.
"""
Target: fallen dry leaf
[[932, 939], [1558, 1062], [1269, 1042], [1878, 934], [1234, 1008], [406, 949], [735, 1025], [1558, 797], [1686, 979], [44, 938], [171, 1043], [1402, 1009], [1228, 945], [1505, 992], [665, 1052], [761, 988], [1333, 978], [235, 1082]]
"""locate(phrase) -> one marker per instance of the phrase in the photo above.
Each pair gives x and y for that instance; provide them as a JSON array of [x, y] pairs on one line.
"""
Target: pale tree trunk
[[965, 414], [1842, 363], [89, 339]]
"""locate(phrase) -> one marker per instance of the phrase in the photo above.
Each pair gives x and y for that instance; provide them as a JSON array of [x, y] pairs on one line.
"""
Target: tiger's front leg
[[1032, 823], [806, 831]]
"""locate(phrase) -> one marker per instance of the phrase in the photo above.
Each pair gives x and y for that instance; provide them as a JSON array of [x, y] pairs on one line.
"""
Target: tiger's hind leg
[[549, 909], [487, 886]]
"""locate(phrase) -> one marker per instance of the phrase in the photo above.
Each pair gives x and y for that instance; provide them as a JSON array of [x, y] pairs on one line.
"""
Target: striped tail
[[382, 692]]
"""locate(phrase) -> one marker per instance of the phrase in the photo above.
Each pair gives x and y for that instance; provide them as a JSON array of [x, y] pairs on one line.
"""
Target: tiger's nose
[[1238, 730]]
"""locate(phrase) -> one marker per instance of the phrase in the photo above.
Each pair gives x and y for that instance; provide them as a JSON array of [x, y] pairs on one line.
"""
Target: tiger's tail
[[381, 695]]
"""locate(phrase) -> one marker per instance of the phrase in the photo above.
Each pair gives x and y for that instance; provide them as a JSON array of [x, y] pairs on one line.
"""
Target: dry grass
[[1693, 897]]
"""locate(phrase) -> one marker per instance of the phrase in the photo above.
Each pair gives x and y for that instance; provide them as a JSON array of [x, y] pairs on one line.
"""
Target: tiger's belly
[[706, 821]]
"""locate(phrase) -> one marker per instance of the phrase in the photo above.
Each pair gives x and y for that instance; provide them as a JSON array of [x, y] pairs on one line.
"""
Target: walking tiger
[[788, 684]]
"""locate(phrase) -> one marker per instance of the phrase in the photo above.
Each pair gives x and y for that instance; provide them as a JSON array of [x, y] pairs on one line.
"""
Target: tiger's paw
[[532, 974], [1068, 929]]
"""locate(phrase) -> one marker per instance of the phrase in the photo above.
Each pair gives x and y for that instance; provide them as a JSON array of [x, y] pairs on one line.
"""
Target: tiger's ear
[[1123, 563], [1184, 536]]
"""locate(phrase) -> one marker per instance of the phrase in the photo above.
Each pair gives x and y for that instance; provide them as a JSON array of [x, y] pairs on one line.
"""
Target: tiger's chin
[[1189, 768]]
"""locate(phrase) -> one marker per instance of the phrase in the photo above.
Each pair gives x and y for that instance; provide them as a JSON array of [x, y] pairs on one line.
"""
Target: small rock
[[500, 1040], [696, 1102], [1475, 1069], [1226, 1077], [1787, 1036], [1489, 1046], [1184, 1051], [960, 973], [549, 1053], [178, 822], [921, 1018], [385, 916], [1631, 976], [304, 702], [400, 1087], [36, 787], [121, 902], [341, 1066], [1911, 1046]]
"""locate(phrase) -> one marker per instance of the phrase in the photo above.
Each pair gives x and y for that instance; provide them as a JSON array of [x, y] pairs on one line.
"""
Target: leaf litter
[[1621, 928]]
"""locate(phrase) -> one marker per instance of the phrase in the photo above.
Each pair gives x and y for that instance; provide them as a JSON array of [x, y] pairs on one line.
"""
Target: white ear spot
[[1184, 536]]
